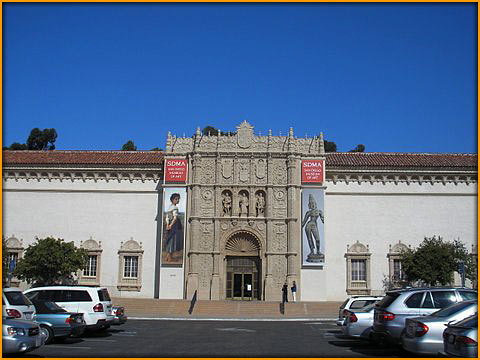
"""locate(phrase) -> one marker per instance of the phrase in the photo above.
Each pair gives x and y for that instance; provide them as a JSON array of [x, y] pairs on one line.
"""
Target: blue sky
[[395, 77]]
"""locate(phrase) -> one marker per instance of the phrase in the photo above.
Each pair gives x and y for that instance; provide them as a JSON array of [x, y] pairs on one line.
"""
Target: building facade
[[235, 217]]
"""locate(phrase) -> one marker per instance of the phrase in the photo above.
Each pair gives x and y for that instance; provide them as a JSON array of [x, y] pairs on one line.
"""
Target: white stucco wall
[[379, 215], [376, 214], [108, 212]]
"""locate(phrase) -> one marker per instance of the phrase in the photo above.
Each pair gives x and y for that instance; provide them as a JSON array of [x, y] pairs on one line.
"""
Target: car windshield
[[388, 299], [452, 309], [16, 298], [103, 295]]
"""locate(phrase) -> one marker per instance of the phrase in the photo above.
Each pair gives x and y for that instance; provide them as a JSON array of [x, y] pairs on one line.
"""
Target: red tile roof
[[401, 160], [155, 158], [60, 157]]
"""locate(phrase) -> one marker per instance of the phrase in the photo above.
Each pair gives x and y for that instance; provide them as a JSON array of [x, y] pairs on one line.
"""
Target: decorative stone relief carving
[[279, 270], [204, 270], [260, 203], [243, 170], [279, 204], [279, 170], [208, 171], [227, 168], [206, 206], [279, 243], [243, 203], [261, 171], [207, 236], [244, 135]]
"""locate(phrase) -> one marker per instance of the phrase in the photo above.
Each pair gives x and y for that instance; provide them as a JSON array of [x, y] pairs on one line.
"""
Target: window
[[428, 303], [442, 299], [91, 267], [130, 266], [396, 274], [90, 275], [15, 252], [358, 269], [415, 300], [468, 295]]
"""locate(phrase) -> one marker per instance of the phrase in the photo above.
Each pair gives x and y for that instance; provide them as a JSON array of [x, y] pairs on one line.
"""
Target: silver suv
[[355, 303], [398, 305]]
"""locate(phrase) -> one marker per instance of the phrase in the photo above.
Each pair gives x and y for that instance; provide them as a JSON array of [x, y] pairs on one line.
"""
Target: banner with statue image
[[173, 237], [313, 234]]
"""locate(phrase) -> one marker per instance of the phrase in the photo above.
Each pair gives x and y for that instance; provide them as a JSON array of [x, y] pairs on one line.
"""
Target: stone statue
[[227, 204], [260, 204], [243, 204], [311, 230]]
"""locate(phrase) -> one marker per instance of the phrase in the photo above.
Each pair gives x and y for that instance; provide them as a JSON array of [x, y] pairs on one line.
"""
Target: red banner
[[313, 171], [176, 171]]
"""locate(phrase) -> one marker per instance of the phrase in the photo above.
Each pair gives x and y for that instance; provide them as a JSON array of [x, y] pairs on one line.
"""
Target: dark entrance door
[[243, 278]]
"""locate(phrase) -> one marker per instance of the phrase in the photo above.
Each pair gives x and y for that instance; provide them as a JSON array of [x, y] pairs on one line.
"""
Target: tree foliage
[[359, 148], [213, 131], [42, 139], [37, 140], [50, 261], [329, 146], [434, 261], [129, 146], [4, 261], [156, 149]]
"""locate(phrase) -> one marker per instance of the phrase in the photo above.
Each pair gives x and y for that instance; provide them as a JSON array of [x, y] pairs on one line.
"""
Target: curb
[[231, 319]]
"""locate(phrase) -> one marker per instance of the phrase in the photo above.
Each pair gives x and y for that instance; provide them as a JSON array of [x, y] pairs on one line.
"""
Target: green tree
[[329, 146], [50, 261], [359, 148], [4, 261], [129, 146], [18, 146], [434, 261], [41, 139], [156, 149], [210, 130]]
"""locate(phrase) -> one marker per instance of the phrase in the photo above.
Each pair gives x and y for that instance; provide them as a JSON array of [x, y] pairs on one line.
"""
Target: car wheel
[[47, 333]]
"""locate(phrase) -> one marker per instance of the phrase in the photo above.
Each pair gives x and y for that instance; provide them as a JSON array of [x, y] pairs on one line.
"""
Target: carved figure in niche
[[311, 229], [243, 204], [260, 204], [227, 204]]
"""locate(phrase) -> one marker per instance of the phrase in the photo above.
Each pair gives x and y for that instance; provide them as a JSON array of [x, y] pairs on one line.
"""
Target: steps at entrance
[[226, 308]]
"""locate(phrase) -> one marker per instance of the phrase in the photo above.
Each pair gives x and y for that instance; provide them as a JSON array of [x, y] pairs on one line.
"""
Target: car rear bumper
[[421, 346], [101, 324], [119, 320]]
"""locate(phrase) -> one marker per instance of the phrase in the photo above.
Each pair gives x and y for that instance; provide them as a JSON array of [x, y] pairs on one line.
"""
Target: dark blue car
[[56, 323]]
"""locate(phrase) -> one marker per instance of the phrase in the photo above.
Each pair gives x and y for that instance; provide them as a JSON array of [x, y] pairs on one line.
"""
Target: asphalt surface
[[172, 338]]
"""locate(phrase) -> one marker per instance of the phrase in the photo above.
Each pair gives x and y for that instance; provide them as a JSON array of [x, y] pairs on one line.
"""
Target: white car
[[16, 305], [355, 303], [94, 302]]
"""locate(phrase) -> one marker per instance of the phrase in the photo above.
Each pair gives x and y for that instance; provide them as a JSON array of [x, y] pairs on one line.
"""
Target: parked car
[[56, 322], [355, 303], [119, 316], [20, 336], [359, 323], [16, 305], [94, 302], [460, 339], [424, 335], [398, 305]]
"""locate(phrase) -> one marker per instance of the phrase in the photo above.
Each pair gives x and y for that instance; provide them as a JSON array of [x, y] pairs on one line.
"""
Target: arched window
[[90, 274], [130, 266], [358, 269]]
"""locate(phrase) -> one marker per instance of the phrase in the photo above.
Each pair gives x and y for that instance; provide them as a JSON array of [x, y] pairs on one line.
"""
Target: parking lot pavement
[[150, 338]]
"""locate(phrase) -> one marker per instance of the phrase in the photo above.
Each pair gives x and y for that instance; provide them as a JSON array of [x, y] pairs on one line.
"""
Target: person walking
[[285, 293], [294, 291]]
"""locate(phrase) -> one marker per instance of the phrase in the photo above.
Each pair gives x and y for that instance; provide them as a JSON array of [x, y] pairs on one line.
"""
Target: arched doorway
[[243, 267]]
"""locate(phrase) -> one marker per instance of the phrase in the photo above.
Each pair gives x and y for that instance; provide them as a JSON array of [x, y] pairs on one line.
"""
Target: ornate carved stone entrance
[[243, 270]]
